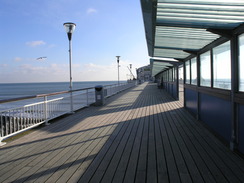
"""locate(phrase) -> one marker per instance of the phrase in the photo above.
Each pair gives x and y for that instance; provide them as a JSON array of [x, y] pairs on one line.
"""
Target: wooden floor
[[140, 135]]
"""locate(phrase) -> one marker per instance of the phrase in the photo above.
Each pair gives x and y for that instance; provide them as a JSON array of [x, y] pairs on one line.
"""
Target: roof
[[177, 28], [159, 65]]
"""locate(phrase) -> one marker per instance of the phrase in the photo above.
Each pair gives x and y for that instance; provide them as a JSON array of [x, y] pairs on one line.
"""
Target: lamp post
[[131, 72], [70, 27], [118, 68]]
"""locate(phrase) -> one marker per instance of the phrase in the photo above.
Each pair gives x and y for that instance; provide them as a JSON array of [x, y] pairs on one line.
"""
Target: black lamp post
[[118, 68], [70, 27]]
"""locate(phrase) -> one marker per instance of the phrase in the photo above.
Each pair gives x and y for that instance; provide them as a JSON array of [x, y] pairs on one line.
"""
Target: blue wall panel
[[171, 89], [191, 100], [174, 90], [241, 128], [168, 89], [216, 113]]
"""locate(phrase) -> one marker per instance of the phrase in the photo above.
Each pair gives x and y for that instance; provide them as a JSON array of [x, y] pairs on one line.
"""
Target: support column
[[198, 85], [234, 89], [177, 80], [184, 82]]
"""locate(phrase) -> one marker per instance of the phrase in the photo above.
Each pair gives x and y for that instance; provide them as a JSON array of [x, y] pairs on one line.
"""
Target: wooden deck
[[140, 135]]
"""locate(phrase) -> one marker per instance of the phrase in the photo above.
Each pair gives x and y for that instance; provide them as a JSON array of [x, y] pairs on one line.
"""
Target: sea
[[16, 90]]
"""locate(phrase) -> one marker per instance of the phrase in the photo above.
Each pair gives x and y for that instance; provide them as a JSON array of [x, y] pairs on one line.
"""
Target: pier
[[139, 135]]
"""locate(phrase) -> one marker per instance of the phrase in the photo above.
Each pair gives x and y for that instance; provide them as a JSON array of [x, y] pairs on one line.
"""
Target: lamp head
[[118, 58], [69, 28]]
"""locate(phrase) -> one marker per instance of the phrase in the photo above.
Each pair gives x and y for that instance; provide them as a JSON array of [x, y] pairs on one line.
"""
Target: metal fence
[[42, 108]]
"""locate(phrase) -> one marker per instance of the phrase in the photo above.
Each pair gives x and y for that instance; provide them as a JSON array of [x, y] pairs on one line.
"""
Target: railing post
[[71, 102], [46, 111], [87, 98], [2, 133]]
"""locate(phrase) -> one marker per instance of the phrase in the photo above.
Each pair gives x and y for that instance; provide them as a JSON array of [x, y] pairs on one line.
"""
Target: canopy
[[177, 28]]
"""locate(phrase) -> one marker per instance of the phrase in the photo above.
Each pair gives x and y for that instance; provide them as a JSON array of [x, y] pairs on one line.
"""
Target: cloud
[[35, 43], [17, 59], [3, 65], [96, 72], [60, 72], [91, 11], [51, 46]]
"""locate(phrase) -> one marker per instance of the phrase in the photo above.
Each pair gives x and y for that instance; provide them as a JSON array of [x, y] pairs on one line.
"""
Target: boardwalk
[[140, 135]]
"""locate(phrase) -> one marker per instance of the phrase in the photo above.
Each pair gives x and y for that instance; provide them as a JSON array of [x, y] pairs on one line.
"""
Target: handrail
[[46, 95], [26, 116]]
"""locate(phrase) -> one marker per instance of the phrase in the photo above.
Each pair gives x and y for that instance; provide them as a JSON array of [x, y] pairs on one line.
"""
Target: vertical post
[[198, 85], [184, 82], [87, 99], [118, 73], [3, 125], [234, 89], [211, 65], [177, 80], [70, 76], [70, 27], [46, 111], [118, 68]]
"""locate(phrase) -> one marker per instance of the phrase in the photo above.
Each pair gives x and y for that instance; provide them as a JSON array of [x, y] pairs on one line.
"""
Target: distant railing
[[42, 108], [110, 90]]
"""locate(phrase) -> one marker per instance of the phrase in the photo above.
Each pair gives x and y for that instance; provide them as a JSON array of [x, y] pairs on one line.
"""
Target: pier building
[[207, 39]]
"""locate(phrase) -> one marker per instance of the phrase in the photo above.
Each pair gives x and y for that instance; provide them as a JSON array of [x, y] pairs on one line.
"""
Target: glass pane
[[181, 75], [241, 63], [222, 66], [205, 69], [170, 75], [194, 71], [188, 72]]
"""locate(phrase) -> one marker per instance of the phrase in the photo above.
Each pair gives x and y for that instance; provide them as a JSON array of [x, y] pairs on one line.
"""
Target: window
[[166, 76], [241, 63], [170, 75], [194, 71], [188, 72], [222, 66], [181, 74], [205, 69]]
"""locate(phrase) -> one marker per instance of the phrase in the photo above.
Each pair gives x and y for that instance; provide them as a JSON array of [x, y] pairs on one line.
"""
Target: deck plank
[[113, 165], [228, 168], [140, 135], [152, 159]]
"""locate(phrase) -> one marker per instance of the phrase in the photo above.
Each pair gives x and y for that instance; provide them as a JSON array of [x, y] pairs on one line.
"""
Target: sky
[[104, 29]]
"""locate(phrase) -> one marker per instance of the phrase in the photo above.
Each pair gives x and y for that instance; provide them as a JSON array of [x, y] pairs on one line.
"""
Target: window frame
[[216, 64], [205, 54]]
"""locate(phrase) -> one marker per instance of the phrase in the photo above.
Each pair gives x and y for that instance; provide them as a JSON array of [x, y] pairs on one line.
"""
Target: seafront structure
[[144, 74], [139, 135], [207, 37], [145, 134], [38, 109]]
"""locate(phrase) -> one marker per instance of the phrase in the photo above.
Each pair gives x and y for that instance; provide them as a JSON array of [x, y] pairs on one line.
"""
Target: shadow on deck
[[140, 135]]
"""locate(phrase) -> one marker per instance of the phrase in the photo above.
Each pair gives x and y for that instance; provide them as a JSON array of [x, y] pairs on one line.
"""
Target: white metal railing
[[110, 90], [40, 109]]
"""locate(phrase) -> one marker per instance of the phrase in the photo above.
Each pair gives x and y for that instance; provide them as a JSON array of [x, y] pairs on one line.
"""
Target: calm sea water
[[14, 90]]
